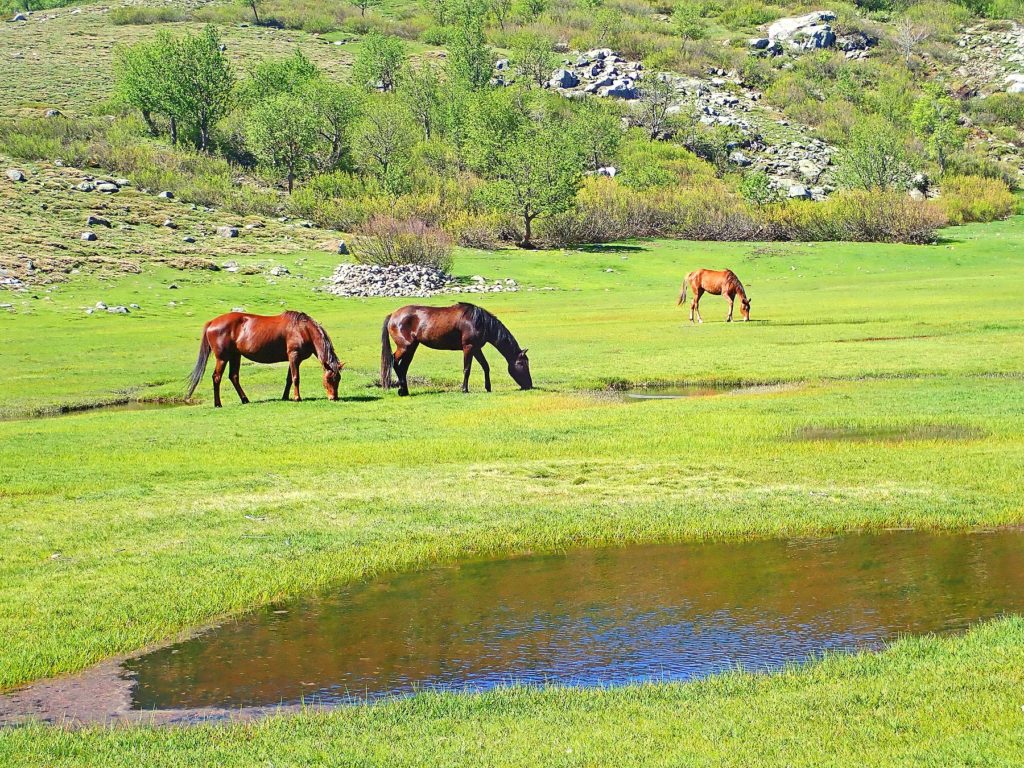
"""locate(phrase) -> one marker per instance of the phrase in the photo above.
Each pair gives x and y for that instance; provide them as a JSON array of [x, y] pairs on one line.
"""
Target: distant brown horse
[[721, 282], [460, 326], [289, 337]]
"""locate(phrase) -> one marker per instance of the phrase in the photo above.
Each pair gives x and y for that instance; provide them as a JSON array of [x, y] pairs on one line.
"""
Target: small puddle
[[702, 390], [588, 618], [70, 410], [893, 434]]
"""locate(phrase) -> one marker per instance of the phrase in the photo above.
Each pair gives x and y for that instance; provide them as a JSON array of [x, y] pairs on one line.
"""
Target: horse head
[[519, 370], [332, 379], [745, 308]]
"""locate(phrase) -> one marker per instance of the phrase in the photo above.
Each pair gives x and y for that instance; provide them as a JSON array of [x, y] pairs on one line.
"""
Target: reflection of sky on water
[[602, 617]]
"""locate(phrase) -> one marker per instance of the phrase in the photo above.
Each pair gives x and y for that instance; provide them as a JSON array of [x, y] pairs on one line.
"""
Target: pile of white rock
[[367, 280]]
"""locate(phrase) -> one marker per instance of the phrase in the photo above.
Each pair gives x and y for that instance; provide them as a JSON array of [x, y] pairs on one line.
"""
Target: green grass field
[[123, 529]]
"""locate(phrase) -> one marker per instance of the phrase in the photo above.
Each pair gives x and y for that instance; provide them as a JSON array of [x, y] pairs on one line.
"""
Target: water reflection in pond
[[593, 617]]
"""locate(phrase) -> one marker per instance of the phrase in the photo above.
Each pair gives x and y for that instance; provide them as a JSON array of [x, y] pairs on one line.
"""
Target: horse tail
[[682, 294], [387, 357], [197, 373]]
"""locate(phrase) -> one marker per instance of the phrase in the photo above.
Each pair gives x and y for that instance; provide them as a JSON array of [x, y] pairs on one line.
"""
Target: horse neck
[[739, 289], [324, 349], [503, 341]]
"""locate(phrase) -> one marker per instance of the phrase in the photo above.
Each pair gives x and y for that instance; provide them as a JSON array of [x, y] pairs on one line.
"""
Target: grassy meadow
[[126, 528]]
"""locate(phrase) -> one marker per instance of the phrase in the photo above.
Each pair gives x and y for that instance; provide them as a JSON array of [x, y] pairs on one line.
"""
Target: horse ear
[[524, 351], [340, 366]]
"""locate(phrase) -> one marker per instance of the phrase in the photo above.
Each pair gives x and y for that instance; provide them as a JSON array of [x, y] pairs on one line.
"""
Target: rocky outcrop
[[992, 59], [408, 280], [600, 72], [807, 32]]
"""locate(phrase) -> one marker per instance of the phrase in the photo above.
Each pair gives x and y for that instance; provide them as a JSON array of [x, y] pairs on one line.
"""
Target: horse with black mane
[[460, 326], [289, 337]]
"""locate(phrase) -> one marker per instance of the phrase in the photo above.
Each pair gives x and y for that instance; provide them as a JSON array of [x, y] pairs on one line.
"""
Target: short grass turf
[[126, 528]]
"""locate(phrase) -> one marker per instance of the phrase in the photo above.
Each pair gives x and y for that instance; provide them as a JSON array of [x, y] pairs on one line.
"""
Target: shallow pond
[[592, 617]]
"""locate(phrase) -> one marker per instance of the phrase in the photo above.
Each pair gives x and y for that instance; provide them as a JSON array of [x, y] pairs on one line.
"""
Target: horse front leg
[[732, 303], [236, 362], [293, 369], [467, 365], [479, 355], [218, 374], [695, 307]]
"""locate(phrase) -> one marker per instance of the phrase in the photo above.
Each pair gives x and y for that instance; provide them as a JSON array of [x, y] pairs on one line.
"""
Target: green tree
[[500, 10], [362, 5], [140, 80], [335, 109], [532, 56], [379, 61], [282, 133], [470, 59], [493, 119], [875, 157], [935, 119], [187, 78], [287, 75], [656, 96], [537, 173], [607, 26], [439, 10], [757, 188], [598, 132], [254, 6], [688, 19], [421, 91], [383, 142]]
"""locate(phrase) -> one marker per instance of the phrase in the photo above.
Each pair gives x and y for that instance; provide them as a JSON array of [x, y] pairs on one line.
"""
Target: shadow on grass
[[599, 248]]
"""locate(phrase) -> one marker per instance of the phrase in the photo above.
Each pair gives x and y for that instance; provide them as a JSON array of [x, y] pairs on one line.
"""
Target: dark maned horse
[[460, 326], [721, 282], [289, 337]]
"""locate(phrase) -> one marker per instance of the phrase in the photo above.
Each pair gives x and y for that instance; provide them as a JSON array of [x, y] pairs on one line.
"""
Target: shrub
[[147, 14], [857, 215], [386, 240], [975, 198]]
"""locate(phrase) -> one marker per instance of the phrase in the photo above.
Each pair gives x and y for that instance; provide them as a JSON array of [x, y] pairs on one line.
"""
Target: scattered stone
[[96, 221], [86, 186], [172, 287], [806, 32], [169, 224], [230, 266], [123, 182], [16, 175], [108, 187], [342, 248], [134, 306], [100, 305], [608, 170], [406, 280], [278, 271], [118, 310], [89, 236], [918, 195], [20, 17], [188, 239], [564, 78], [797, 191], [53, 113], [166, 195], [227, 231]]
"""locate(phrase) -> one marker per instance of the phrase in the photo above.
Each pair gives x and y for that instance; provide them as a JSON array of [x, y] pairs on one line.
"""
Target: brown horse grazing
[[721, 282], [289, 337], [460, 326]]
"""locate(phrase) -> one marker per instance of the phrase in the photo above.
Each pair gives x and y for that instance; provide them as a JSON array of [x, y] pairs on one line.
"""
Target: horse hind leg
[[695, 307], [218, 374], [293, 372], [235, 364], [403, 359], [287, 383]]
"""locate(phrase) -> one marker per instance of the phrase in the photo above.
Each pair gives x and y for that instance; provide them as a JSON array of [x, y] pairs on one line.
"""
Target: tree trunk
[[174, 131], [291, 181], [148, 117], [256, 14], [528, 233]]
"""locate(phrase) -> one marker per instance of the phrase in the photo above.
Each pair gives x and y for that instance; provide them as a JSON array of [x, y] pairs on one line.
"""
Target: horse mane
[[735, 281], [330, 356], [493, 329]]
